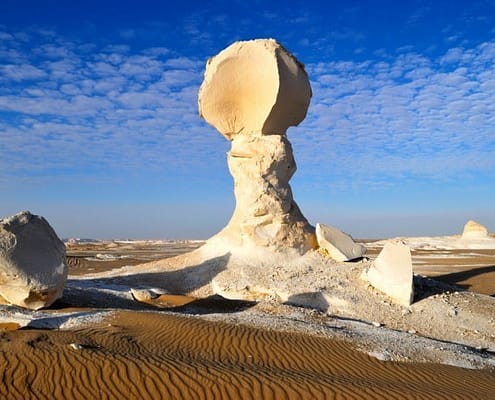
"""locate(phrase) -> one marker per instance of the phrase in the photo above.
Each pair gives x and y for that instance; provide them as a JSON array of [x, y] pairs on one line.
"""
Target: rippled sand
[[151, 355]]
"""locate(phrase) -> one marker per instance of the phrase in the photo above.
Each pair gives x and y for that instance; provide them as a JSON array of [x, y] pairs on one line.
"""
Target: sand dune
[[151, 355]]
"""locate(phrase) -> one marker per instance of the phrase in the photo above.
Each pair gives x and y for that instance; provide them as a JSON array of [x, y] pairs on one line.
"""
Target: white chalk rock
[[254, 86], [392, 273], [339, 245], [252, 92], [33, 267], [474, 230]]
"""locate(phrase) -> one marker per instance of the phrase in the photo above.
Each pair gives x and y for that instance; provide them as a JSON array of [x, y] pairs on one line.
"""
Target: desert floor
[[178, 347]]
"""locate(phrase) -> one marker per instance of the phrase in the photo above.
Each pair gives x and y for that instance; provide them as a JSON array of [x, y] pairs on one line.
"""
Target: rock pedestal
[[33, 266], [252, 92]]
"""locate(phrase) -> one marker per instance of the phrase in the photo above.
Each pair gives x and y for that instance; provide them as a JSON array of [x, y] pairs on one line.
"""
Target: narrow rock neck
[[266, 214]]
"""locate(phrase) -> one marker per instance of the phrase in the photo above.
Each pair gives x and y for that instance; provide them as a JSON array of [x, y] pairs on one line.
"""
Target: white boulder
[[392, 273], [339, 245], [33, 267]]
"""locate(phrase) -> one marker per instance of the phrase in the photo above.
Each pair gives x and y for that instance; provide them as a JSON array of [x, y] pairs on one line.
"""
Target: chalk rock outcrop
[[33, 267], [392, 273], [252, 92], [474, 230], [338, 245]]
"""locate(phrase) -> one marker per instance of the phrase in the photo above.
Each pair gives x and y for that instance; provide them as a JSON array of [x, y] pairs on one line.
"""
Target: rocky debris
[[33, 266], [337, 244], [144, 295], [392, 273], [474, 230], [252, 92]]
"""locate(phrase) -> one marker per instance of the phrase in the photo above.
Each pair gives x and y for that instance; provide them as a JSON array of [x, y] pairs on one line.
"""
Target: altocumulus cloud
[[75, 107], [402, 117]]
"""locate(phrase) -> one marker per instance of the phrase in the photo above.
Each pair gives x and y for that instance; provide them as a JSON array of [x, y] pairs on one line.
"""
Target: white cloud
[[409, 117], [21, 72], [75, 107]]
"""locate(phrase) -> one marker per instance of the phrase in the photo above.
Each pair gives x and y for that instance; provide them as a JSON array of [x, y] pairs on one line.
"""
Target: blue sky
[[100, 133]]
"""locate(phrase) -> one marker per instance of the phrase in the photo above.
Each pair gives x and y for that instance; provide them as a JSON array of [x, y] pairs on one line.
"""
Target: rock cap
[[254, 86]]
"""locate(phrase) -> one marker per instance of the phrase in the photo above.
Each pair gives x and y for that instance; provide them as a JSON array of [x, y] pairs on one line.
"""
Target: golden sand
[[150, 355]]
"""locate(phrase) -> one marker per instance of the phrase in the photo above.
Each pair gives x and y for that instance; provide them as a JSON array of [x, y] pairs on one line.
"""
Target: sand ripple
[[152, 355]]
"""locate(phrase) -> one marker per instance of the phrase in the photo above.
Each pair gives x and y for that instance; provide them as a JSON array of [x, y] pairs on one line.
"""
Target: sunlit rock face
[[252, 92], [392, 273], [474, 230], [337, 244], [33, 267]]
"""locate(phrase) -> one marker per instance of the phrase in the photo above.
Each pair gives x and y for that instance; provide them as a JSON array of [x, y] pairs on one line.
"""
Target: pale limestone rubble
[[252, 93], [474, 230], [392, 272], [33, 267], [337, 244]]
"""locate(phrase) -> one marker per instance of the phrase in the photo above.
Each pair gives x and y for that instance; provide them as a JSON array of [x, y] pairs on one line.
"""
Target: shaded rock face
[[33, 266], [474, 230], [338, 245], [392, 273], [252, 92]]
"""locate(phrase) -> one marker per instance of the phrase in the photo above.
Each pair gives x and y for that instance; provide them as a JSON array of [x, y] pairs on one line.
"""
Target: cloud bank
[[76, 110]]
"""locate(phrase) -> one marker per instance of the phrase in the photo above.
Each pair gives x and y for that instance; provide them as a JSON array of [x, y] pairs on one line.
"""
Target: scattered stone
[[76, 346], [376, 324], [339, 245], [474, 230], [392, 274], [146, 294], [33, 267], [252, 92]]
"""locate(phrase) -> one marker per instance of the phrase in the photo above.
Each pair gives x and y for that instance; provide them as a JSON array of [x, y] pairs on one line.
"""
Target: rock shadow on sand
[[313, 300], [460, 278], [114, 291], [425, 287]]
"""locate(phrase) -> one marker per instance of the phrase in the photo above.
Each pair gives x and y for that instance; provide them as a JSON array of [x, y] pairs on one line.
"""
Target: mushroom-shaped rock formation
[[252, 92], [33, 267], [474, 230]]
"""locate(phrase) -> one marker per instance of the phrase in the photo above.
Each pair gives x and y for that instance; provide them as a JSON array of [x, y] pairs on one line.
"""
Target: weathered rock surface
[[254, 86], [338, 245], [392, 273], [474, 230], [33, 266], [252, 92]]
